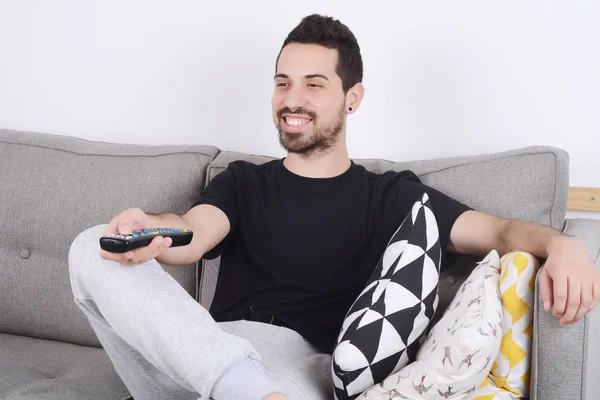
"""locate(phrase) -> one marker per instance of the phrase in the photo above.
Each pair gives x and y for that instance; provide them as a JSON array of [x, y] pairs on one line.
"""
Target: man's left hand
[[569, 281]]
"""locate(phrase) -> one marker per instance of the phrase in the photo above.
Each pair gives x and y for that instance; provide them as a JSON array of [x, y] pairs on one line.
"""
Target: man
[[299, 237]]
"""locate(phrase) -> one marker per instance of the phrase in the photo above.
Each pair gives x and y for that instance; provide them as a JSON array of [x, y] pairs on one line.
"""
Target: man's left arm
[[569, 281]]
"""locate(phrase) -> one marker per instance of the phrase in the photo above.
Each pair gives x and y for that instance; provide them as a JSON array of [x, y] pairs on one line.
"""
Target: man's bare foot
[[276, 396]]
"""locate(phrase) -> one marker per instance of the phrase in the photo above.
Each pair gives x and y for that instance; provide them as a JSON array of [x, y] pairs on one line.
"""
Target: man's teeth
[[295, 121]]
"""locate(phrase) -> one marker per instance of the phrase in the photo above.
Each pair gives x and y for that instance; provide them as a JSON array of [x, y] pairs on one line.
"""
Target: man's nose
[[295, 98]]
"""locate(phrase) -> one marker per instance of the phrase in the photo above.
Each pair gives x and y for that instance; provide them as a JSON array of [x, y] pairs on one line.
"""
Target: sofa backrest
[[528, 183], [53, 188]]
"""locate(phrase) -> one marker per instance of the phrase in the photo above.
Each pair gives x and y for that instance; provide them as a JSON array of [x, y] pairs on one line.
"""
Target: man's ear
[[354, 97]]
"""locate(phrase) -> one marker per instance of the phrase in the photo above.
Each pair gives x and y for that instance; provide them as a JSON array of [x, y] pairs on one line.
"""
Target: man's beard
[[320, 139]]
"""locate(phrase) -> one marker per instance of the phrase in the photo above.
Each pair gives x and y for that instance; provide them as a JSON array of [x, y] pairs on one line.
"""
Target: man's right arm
[[209, 224]]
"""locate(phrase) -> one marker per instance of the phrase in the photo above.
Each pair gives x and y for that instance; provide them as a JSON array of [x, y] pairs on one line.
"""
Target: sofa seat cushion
[[32, 369]]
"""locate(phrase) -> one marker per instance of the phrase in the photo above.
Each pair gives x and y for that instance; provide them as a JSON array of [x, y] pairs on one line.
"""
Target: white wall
[[442, 78]]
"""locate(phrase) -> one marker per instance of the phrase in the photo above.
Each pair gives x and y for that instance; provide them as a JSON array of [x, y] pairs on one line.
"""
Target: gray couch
[[53, 187]]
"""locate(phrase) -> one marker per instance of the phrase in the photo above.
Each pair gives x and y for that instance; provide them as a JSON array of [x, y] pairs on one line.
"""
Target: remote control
[[122, 243]]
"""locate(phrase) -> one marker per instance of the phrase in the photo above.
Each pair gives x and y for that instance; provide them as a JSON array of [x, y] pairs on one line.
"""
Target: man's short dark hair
[[330, 33]]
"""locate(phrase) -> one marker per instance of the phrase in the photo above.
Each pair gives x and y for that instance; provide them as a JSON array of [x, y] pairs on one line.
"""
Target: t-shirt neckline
[[334, 182]]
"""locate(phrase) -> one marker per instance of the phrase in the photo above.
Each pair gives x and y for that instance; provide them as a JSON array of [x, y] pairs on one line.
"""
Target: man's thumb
[[546, 289], [125, 228]]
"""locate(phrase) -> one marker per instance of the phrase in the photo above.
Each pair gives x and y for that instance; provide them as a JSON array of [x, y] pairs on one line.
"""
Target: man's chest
[[303, 236]]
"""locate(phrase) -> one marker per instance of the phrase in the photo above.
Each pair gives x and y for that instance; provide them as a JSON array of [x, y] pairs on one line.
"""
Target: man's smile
[[295, 123]]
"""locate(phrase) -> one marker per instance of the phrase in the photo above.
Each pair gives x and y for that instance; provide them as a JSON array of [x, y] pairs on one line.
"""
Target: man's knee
[[84, 257]]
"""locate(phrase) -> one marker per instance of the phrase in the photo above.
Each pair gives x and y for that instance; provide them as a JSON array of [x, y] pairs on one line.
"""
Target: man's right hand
[[126, 222]]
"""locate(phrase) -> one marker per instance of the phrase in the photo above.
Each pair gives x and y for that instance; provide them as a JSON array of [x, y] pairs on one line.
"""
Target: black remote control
[[122, 243]]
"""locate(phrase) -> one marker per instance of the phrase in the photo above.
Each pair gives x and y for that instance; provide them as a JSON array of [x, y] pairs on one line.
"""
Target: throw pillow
[[517, 286], [381, 331], [489, 391], [460, 349]]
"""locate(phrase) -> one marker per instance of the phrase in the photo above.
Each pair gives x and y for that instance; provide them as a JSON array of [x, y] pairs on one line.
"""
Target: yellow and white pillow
[[489, 391], [510, 373]]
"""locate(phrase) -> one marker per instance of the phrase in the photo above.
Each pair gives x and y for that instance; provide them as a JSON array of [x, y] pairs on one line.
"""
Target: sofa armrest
[[565, 362]]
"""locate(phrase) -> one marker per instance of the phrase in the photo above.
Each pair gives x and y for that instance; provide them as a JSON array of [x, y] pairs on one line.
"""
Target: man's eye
[[281, 84], [313, 85]]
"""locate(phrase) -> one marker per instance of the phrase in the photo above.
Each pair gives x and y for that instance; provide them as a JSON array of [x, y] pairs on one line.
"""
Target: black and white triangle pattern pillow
[[383, 329]]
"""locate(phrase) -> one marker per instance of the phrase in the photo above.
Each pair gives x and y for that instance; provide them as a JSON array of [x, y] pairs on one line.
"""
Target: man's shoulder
[[398, 177], [247, 167]]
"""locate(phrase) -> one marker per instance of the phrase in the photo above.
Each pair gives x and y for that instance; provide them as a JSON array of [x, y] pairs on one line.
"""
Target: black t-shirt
[[302, 249]]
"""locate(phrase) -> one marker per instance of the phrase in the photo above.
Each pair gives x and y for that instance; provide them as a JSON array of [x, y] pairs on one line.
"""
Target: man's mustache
[[298, 111]]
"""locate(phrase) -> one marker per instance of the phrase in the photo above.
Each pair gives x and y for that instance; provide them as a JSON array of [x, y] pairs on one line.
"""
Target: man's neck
[[319, 165]]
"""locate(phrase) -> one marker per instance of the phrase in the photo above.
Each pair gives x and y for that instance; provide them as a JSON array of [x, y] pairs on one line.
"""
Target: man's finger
[[586, 300], [560, 294], [128, 225], [161, 244], [125, 228], [596, 292], [154, 248], [111, 228], [573, 300], [546, 289], [143, 254], [107, 255]]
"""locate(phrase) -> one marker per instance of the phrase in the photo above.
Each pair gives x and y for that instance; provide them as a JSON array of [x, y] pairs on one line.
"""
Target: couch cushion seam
[[537, 341], [486, 161], [197, 289], [214, 165], [555, 191], [586, 337], [107, 155], [584, 359], [201, 281]]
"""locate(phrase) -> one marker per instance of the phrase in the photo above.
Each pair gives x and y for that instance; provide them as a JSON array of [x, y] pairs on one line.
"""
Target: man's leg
[[290, 361], [163, 344]]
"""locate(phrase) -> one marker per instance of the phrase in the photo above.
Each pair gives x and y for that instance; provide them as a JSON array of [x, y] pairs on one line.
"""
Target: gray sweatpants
[[164, 345]]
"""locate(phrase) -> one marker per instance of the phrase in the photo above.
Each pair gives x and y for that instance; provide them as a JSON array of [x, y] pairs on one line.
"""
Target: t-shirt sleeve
[[221, 193], [446, 210], [409, 188]]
